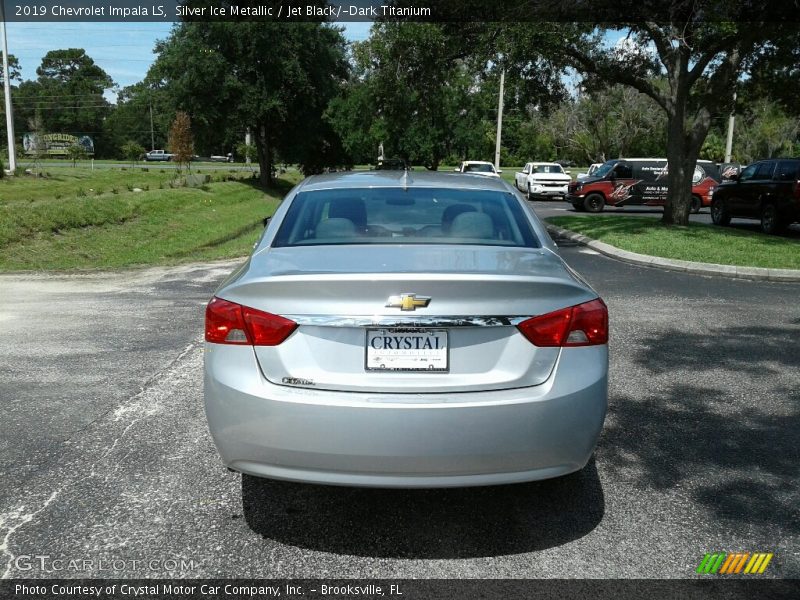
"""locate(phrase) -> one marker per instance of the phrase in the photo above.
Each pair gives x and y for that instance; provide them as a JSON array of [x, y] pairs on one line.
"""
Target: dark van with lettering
[[638, 181]]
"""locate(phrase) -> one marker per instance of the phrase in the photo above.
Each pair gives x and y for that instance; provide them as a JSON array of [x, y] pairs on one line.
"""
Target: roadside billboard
[[55, 144]]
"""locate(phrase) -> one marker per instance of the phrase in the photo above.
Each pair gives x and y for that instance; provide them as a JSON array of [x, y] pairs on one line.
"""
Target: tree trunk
[[679, 178], [264, 156]]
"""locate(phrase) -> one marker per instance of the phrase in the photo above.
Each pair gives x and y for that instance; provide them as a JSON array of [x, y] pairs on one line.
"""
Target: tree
[[687, 64], [68, 94], [130, 119], [608, 123], [276, 79], [132, 151], [180, 139], [13, 67], [765, 131], [75, 152]]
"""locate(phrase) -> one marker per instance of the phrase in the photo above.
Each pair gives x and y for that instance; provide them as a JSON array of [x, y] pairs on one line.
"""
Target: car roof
[[399, 179], [546, 164], [477, 162]]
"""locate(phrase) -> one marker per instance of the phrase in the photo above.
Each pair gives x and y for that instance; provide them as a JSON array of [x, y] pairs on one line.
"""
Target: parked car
[[157, 155], [590, 173], [405, 330], [768, 190], [478, 167], [638, 181], [543, 180], [391, 164]]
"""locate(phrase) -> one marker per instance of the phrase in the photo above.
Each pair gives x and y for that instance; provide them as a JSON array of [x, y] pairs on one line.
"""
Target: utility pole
[[152, 135], [12, 150], [729, 141], [247, 145], [499, 120]]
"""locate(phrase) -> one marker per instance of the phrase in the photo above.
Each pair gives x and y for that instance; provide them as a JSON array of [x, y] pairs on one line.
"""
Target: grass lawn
[[697, 242], [83, 219]]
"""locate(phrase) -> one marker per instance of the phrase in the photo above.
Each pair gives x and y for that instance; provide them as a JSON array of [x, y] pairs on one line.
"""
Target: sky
[[123, 50]]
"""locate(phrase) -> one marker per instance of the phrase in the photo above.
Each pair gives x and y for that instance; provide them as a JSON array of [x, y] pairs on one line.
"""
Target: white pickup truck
[[543, 180], [157, 155]]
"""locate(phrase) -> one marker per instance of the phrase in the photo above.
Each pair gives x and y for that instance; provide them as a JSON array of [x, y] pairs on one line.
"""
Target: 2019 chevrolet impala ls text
[[397, 329]]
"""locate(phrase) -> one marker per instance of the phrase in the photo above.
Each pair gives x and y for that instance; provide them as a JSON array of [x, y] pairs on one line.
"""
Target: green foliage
[[132, 151], [691, 81], [245, 151], [713, 148], [67, 94], [13, 66], [76, 152], [274, 78], [765, 131]]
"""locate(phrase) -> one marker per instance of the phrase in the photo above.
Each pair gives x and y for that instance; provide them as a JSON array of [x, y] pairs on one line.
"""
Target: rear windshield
[[478, 168], [547, 169], [411, 216]]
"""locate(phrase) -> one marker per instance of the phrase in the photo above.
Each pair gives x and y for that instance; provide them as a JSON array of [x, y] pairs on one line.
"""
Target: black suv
[[768, 190]]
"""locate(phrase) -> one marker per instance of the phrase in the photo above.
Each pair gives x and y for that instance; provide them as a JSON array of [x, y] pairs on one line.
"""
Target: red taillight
[[582, 325], [231, 323]]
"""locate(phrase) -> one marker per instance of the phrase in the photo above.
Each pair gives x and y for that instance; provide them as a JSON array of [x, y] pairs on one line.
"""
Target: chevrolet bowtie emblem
[[408, 301]]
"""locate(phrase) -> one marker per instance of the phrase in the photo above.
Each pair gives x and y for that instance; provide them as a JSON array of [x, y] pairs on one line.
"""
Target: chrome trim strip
[[415, 321]]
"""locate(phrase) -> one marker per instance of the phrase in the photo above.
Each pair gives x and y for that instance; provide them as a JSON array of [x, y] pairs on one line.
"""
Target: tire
[[719, 213], [771, 221], [594, 203], [695, 205]]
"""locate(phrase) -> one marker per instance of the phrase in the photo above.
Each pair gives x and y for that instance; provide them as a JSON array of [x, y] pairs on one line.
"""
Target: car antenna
[[405, 179]]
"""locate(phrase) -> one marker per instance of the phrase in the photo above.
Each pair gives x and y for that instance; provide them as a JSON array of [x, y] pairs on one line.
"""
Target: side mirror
[[499, 171], [567, 172], [457, 170], [266, 221]]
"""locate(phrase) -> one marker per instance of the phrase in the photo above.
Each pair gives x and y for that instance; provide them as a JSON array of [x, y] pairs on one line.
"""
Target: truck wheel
[[695, 204], [719, 213], [771, 220], [594, 203]]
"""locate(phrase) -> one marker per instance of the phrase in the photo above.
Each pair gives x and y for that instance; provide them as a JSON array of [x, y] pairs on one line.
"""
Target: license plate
[[407, 350]]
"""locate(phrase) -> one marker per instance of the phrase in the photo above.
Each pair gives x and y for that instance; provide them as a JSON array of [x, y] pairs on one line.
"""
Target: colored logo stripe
[[734, 563]]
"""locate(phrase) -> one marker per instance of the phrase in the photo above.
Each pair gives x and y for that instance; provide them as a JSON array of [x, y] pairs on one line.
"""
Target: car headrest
[[335, 228], [473, 225], [349, 208]]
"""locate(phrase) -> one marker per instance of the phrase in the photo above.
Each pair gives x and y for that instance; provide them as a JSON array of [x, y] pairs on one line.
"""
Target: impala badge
[[408, 301]]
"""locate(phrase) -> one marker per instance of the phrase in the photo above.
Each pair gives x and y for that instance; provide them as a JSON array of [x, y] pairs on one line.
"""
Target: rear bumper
[[405, 440]]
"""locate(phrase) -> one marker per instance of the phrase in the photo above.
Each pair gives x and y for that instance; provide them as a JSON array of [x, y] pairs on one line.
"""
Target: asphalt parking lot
[[105, 456]]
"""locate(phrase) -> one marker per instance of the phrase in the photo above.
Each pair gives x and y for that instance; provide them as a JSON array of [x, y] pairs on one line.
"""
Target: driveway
[[105, 457]]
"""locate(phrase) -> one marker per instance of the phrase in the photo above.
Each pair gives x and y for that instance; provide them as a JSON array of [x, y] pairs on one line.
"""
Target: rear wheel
[[719, 213], [695, 204], [771, 220], [594, 203]]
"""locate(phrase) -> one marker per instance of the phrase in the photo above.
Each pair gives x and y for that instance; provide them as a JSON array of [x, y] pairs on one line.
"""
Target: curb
[[683, 266]]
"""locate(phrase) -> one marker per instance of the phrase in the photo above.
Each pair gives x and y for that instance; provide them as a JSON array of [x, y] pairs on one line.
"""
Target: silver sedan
[[397, 329]]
